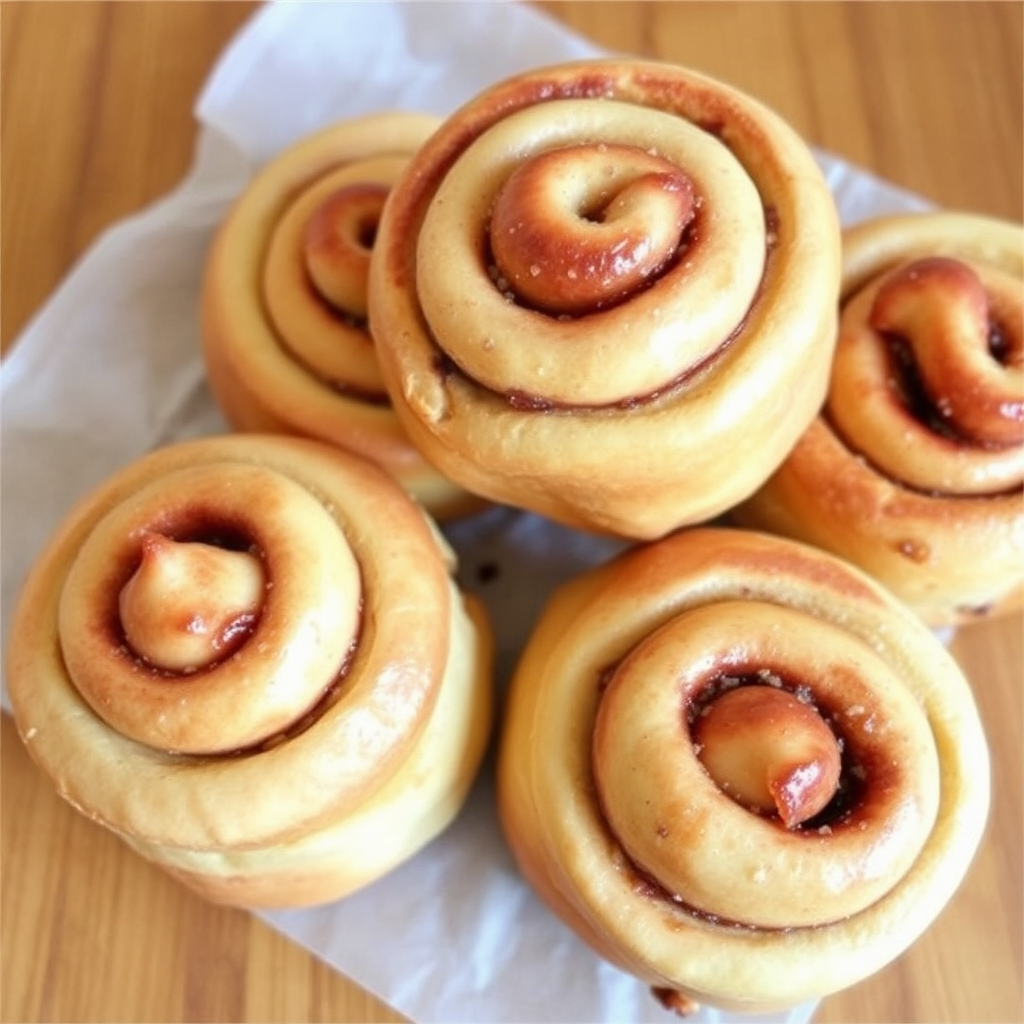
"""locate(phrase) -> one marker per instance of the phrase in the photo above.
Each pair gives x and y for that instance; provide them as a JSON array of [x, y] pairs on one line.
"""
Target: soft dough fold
[[915, 469], [286, 341], [604, 291], [247, 657], [755, 858]]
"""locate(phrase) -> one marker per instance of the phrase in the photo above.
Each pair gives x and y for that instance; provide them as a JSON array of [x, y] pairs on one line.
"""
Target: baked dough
[[285, 335], [915, 470], [604, 291], [247, 657], [740, 769]]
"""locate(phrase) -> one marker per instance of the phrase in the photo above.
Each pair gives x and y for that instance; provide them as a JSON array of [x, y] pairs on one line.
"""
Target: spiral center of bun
[[940, 307], [147, 622], [580, 227], [770, 752], [556, 270], [930, 361], [313, 246], [188, 605], [337, 243], [740, 706]]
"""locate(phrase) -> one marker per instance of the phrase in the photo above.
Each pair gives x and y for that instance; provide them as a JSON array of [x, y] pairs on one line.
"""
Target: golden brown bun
[[915, 469], [621, 746], [285, 336], [604, 292], [246, 656]]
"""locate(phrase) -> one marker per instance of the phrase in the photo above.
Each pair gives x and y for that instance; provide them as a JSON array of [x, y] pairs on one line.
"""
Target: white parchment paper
[[111, 368]]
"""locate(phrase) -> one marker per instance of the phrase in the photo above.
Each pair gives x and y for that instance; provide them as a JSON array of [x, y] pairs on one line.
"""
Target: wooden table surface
[[97, 121]]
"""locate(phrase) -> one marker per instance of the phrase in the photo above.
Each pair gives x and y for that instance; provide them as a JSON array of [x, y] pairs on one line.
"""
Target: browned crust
[[953, 558], [571, 463], [567, 851]]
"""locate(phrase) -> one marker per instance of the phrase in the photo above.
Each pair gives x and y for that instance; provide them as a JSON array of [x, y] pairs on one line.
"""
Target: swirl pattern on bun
[[915, 469], [247, 657], [592, 286], [286, 339], [740, 769]]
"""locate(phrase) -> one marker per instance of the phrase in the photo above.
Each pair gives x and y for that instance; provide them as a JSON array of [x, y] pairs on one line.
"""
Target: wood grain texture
[[96, 120]]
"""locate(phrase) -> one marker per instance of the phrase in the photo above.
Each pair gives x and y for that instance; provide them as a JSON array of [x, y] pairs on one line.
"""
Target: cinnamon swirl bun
[[247, 657], [603, 291], [915, 469], [740, 769], [286, 340]]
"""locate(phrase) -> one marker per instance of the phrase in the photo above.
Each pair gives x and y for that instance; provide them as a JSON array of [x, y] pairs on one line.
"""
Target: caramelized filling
[[196, 529], [446, 367], [769, 751], [189, 605], [845, 777]]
